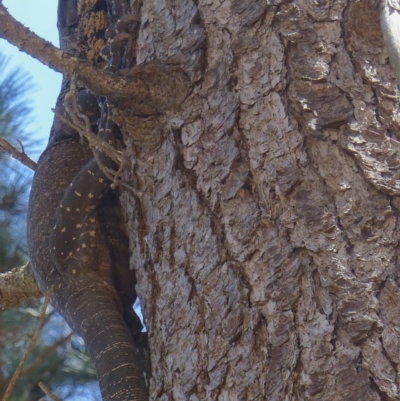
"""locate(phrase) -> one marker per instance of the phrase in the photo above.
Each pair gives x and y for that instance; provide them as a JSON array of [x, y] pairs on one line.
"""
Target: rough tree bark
[[265, 241]]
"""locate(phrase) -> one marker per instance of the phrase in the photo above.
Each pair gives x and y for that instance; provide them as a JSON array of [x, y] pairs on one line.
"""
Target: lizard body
[[77, 232], [94, 290], [88, 303]]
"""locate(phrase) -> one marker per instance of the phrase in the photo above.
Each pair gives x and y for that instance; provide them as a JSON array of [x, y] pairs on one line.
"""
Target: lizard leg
[[77, 232]]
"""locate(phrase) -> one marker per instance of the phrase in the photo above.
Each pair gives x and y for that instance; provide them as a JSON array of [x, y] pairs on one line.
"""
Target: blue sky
[[46, 82]]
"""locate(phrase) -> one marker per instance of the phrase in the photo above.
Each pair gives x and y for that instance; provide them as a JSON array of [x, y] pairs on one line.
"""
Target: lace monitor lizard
[[94, 289]]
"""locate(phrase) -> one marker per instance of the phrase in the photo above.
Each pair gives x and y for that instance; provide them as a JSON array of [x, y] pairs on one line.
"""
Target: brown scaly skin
[[88, 303], [77, 232], [91, 302]]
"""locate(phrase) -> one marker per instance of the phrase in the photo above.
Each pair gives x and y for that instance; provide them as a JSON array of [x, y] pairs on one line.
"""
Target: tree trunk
[[263, 219], [266, 239]]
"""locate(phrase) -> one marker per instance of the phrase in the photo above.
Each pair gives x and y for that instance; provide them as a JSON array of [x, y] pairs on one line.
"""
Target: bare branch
[[16, 285], [150, 89], [16, 154], [44, 51], [31, 345], [94, 140], [48, 391], [46, 354]]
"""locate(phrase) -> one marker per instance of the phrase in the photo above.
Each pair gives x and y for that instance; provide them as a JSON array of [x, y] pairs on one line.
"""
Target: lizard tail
[[116, 357]]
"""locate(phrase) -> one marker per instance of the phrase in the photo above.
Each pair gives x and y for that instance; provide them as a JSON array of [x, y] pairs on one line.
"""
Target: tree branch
[[46, 354], [152, 88], [16, 285], [31, 345], [47, 391], [16, 154]]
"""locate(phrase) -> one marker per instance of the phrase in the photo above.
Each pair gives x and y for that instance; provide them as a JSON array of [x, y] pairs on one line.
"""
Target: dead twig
[[80, 122], [94, 141], [16, 154], [46, 354], [46, 390], [31, 345]]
